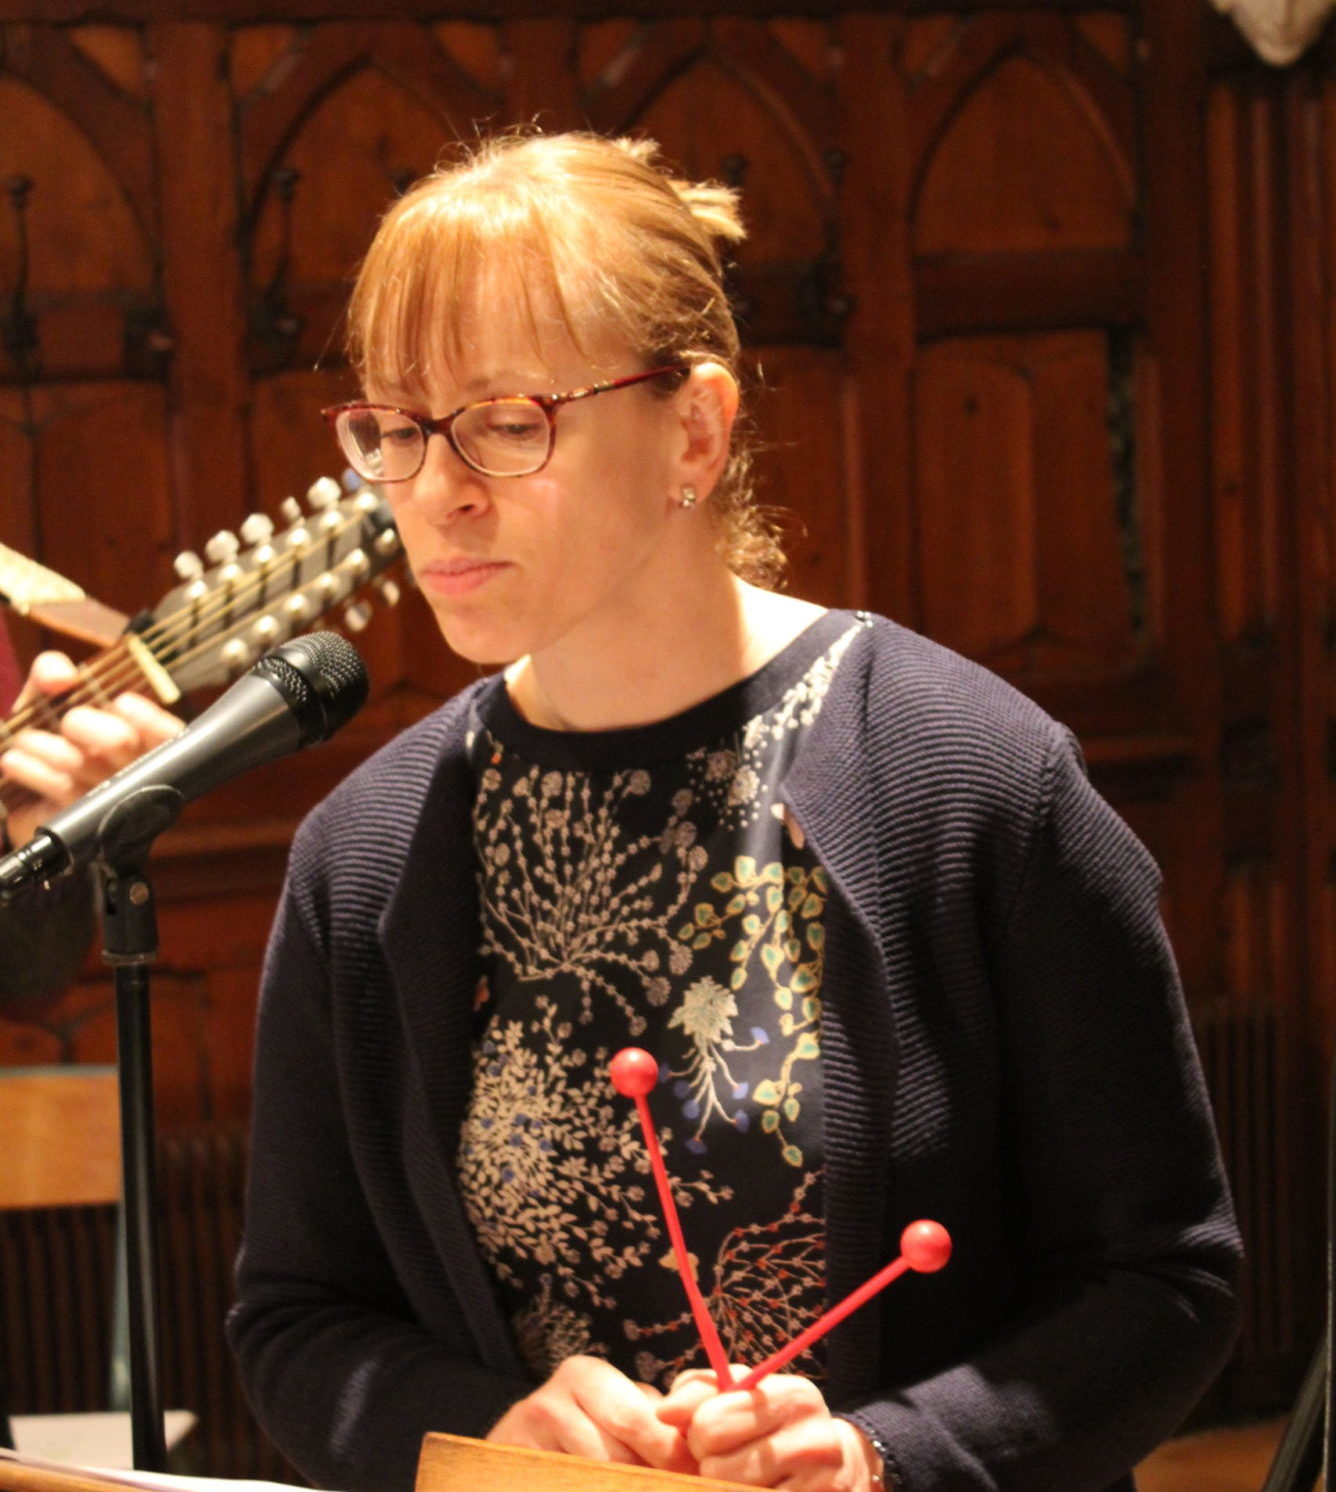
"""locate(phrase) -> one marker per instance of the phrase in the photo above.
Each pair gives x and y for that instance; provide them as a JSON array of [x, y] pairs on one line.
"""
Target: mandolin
[[263, 588]]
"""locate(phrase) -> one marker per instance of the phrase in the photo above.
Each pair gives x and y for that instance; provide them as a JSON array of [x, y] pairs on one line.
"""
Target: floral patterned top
[[646, 887]]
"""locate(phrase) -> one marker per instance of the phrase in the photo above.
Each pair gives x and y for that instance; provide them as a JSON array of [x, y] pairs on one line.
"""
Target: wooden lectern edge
[[455, 1463]]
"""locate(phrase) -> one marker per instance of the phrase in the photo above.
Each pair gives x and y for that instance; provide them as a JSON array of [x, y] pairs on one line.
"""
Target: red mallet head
[[925, 1245], [635, 1073]]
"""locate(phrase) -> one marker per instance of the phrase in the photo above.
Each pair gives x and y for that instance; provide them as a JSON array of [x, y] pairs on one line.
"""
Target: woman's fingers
[[589, 1408]]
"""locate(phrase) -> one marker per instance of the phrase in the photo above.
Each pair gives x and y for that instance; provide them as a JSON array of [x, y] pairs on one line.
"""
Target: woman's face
[[568, 556]]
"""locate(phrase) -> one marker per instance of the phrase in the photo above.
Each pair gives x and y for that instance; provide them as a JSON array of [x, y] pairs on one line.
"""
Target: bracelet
[[884, 1456]]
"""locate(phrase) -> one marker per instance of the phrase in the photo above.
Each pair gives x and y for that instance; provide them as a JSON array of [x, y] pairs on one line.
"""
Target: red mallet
[[635, 1074], [924, 1247]]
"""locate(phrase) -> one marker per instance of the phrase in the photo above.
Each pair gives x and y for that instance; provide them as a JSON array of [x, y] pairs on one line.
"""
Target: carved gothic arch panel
[[115, 125], [746, 51], [322, 60], [1066, 77]]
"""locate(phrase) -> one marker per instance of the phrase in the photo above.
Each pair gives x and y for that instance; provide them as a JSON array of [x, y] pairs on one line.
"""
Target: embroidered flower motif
[[744, 786], [769, 1282], [720, 765], [706, 1012]]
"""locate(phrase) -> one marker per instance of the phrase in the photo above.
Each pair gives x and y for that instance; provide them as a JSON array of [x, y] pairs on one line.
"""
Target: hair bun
[[714, 206]]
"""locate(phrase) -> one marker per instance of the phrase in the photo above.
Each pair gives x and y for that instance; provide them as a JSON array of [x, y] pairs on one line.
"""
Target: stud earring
[[688, 497]]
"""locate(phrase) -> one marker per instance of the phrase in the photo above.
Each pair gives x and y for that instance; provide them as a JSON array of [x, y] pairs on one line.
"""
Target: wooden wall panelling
[[735, 101], [339, 120], [1022, 553], [879, 346], [1308, 528], [1023, 211], [84, 333], [1318, 530], [1172, 233], [1270, 446], [1314, 115], [198, 214], [541, 78]]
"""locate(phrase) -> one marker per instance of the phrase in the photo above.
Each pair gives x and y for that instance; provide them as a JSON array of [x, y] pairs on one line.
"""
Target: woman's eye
[[401, 435], [514, 429]]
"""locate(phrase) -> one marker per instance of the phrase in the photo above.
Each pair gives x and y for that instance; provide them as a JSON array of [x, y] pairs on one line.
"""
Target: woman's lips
[[460, 577]]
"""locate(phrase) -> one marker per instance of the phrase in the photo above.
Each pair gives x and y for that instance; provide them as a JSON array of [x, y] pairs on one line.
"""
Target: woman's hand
[[779, 1434], [91, 743], [589, 1408]]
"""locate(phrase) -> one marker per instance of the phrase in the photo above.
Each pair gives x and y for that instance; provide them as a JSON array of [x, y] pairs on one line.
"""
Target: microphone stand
[[130, 944], [1307, 1449]]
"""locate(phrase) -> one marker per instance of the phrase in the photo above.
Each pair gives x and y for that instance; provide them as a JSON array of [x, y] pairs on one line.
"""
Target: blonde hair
[[597, 228]]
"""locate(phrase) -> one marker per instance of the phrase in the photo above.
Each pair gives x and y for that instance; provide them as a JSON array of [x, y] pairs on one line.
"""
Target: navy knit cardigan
[[1005, 1049]]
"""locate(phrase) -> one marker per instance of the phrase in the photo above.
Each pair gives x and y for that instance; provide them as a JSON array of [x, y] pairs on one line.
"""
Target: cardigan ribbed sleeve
[[1121, 1243]]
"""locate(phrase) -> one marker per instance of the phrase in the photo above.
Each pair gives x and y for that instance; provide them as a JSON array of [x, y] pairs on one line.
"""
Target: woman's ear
[[708, 406]]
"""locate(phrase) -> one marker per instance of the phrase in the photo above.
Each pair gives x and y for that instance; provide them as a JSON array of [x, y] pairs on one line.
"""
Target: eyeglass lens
[[505, 437]]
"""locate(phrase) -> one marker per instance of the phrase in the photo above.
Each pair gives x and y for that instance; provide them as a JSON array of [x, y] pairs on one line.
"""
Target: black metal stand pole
[[131, 944], [1306, 1448], [1298, 1457]]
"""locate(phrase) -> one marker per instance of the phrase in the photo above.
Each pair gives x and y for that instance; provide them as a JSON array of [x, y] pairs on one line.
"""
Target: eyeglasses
[[510, 436]]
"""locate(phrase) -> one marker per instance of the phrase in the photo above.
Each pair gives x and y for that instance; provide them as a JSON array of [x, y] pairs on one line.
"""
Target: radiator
[[1256, 1080], [56, 1268]]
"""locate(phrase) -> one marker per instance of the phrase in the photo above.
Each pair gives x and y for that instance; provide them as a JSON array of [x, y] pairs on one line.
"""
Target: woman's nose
[[446, 486]]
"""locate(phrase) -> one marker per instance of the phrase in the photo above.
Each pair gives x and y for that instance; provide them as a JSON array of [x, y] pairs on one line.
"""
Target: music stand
[[1306, 1448]]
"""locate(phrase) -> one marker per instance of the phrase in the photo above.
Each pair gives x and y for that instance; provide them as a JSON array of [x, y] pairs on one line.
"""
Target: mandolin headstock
[[262, 586]]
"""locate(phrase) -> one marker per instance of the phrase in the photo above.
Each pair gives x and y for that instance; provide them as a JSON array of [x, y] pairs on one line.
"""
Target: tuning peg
[[265, 632], [297, 607], [290, 510], [323, 493], [222, 548], [257, 529], [236, 655], [389, 591], [356, 616], [188, 565]]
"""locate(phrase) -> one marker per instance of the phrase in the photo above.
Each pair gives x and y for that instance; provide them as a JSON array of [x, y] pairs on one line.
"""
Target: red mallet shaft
[[634, 1074], [924, 1246]]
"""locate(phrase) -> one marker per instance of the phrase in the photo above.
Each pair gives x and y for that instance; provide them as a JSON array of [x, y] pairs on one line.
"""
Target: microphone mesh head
[[324, 678]]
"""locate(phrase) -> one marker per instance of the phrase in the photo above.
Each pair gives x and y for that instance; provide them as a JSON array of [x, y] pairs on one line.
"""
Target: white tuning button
[[188, 565], [387, 541], [265, 630], [236, 654], [257, 529], [356, 616], [290, 510], [389, 591], [356, 563], [297, 607], [323, 493], [222, 548]]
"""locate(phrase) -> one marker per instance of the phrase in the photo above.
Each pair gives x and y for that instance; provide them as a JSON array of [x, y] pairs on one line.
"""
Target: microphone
[[299, 694]]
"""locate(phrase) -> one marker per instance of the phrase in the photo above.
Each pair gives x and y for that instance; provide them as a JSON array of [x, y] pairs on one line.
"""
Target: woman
[[894, 956]]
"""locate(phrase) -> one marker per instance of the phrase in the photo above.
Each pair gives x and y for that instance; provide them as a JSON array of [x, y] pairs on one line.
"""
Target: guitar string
[[117, 668]]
